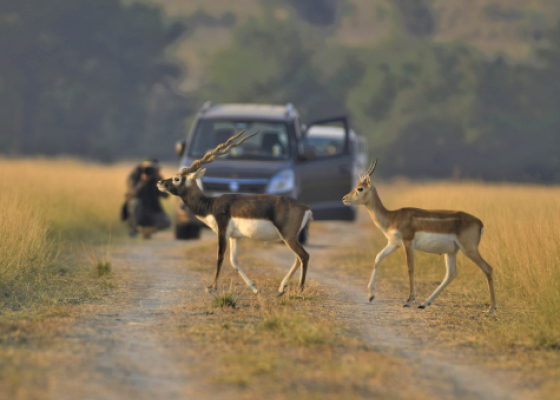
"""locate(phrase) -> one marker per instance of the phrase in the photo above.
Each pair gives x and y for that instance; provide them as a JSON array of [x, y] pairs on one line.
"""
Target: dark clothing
[[143, 205], [149, 194]]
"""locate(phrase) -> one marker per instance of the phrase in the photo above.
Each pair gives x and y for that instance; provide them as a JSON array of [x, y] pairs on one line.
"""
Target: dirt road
[[127, 347]]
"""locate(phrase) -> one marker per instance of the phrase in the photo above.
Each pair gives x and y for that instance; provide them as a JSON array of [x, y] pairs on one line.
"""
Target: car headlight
[[282, 182]]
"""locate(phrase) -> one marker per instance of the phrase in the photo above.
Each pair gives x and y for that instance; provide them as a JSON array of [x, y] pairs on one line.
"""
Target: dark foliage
[[86, 77], [417, 17], [316, 12]]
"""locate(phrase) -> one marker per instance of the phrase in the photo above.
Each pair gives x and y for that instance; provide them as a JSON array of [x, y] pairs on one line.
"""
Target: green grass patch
[[227, 299]]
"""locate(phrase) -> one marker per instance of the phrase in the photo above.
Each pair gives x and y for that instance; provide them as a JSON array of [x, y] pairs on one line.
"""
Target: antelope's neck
[[199, 204], [377, 211]]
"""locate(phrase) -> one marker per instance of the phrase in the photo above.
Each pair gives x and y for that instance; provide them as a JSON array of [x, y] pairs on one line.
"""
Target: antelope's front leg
[[410, 262], [382, 254], [221, 251]]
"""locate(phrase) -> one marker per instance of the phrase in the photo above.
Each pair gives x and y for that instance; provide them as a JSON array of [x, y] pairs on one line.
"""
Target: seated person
[[271, 144]]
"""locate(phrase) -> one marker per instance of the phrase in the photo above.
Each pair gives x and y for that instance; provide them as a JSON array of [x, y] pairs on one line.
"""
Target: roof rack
[[206, 107], [289, 109]]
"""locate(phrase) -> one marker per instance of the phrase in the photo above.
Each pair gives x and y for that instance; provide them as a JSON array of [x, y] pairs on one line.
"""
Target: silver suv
[[279, 160]]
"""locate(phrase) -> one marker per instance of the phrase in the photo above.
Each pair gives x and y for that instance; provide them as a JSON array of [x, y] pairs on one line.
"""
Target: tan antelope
[[430, 231], [263, 217]]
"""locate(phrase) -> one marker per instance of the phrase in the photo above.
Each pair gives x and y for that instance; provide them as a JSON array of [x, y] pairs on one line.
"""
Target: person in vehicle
[[142, 208]]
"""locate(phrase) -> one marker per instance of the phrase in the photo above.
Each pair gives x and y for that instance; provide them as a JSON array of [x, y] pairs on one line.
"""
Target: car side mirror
[[180, 147]]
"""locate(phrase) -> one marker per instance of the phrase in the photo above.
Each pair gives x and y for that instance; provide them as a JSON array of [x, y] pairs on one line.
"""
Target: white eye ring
[[176, 179], [360, 190]]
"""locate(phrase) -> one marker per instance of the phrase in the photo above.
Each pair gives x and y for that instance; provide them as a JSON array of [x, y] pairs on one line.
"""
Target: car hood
[[243, 169]]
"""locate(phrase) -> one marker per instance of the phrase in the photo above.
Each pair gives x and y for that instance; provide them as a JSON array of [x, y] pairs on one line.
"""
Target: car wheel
[[303, 236], [187, 231]]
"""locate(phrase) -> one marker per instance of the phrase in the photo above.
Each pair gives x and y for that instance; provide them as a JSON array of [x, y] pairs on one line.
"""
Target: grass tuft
[[226, 299], [102, 268]]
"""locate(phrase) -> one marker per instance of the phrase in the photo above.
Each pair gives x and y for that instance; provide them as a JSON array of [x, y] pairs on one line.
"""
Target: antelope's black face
[[172, 185], [180, 184]]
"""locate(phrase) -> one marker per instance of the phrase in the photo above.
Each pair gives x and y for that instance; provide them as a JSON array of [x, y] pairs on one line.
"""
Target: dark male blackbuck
[[263, 217], [430, 231]]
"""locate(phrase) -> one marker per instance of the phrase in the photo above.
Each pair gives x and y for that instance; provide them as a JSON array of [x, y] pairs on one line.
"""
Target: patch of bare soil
[[126, 347]]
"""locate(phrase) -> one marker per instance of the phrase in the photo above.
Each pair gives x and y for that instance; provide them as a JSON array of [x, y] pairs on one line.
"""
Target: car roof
[[328, 132], [250, 111]]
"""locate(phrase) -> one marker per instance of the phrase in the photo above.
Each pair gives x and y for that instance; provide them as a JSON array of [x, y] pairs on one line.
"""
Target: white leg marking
[[289, 275], [450, 274], [234, 247], [382, 254]]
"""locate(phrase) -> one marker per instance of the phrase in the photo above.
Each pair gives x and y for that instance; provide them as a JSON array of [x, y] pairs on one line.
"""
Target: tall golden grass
[[45, 207], [521, 241]]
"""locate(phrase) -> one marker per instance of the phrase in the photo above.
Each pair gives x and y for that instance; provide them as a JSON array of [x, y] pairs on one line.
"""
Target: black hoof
[[280, 294], [371, 298], [406, 305], [422, 306]]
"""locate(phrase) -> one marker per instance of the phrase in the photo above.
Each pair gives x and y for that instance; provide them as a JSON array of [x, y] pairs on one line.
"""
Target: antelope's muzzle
[[161, 186]]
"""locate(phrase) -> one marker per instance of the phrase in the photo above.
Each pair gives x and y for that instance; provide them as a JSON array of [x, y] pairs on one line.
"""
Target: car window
[[325, 146], [272, 142]]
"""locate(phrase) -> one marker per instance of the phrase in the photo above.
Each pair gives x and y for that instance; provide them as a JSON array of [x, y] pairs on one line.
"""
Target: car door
[[326, 176]]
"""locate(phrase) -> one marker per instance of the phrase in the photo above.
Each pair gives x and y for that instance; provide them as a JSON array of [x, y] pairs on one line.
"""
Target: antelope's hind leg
[[233, 248], [475, 257], [288, 276], [303, 257]]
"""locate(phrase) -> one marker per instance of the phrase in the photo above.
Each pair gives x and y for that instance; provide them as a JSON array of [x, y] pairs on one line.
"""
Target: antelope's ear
[[367, 181], [199, 174]]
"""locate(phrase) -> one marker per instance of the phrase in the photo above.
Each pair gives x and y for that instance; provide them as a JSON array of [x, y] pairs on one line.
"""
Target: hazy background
[[442, 89]]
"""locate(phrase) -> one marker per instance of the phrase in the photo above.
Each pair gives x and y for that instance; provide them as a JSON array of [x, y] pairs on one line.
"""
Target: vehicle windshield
[[272, 143]]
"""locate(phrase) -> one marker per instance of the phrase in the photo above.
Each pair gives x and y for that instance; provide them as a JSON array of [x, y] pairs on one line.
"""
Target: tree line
[[429, 110], [94, 79], [88, 78]]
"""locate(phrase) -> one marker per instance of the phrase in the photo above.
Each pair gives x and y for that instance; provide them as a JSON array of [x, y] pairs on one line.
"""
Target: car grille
[[219, 186]]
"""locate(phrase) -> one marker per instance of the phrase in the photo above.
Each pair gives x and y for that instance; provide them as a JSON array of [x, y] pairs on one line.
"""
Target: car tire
[[187, 231], [303, 235]]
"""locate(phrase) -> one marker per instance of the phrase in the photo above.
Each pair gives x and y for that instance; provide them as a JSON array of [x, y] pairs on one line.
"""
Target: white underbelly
[[258, 229], [434, 242]]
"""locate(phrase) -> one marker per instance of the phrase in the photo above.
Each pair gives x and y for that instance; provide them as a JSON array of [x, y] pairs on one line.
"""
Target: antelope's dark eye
[[360, 190], [176, 179]]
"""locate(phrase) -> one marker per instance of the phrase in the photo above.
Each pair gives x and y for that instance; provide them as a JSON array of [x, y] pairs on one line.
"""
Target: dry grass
[[284, 347], [521, 241], [292, 349], [47, 207]]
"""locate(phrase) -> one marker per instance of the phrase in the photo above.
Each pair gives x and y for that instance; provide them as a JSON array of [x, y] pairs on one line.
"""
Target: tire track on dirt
[[128, 348], [404, 333]]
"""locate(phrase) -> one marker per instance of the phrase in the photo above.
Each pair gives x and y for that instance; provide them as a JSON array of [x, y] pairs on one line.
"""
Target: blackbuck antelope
[[430, 231], [263, 217]]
